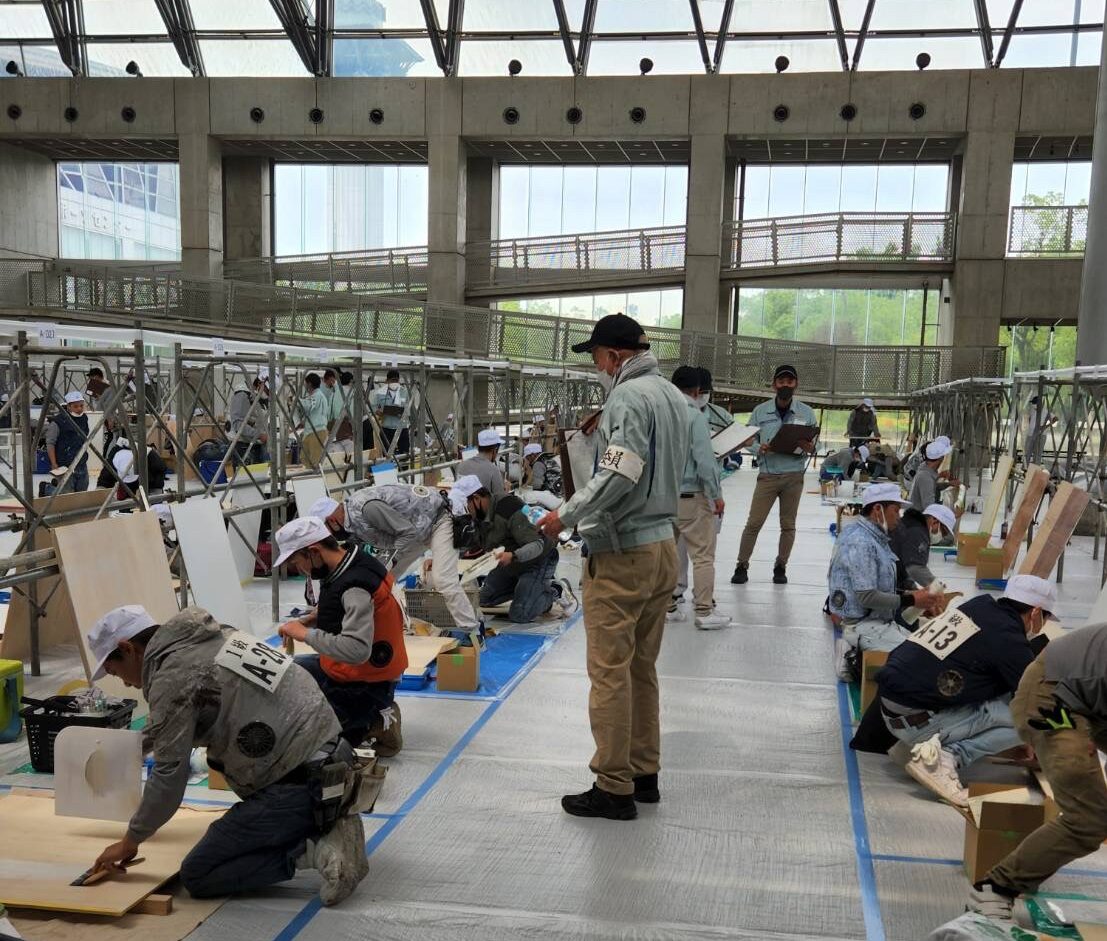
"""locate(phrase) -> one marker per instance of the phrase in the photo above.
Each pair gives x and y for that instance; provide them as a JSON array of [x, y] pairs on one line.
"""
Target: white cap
[[532, 449], [937, 448], [489, 437], [323, 507], [943, 514], [71, 398], [164, 512], [882, 493], [863, 451], [461, 491], [121, 623], [868, 402], [1032, 590], [302, 532], [450, 417], [124, 464]]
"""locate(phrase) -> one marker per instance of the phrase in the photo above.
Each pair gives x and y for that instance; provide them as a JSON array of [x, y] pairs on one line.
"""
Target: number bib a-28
[[945, 633], [253, 660]]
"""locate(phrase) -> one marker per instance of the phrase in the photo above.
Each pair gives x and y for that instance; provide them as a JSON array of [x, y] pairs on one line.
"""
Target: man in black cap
[[626, 514], [780, 476]]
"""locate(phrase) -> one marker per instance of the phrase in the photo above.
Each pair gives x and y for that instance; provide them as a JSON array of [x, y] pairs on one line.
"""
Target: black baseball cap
[[686, 377], [618, 331], [786, 370]]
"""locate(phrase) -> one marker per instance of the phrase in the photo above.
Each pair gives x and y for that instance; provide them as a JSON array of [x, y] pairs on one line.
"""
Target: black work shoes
[[780, 577], [741, 574], [600, 803], [645, 789]]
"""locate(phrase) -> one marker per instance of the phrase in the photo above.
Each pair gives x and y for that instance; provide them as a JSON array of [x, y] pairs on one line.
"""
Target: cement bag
[[975, 927]]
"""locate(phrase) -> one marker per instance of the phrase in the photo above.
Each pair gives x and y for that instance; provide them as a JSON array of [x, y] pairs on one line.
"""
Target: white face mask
[[393, 386], [606, 380], [935, 538], [702, 400]]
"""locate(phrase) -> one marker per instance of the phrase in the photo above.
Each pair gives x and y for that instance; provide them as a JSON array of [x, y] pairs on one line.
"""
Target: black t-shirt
[[987, 665], [910, 541]]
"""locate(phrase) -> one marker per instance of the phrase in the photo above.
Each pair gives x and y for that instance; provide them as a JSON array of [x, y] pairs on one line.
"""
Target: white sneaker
[[900, 753], [675, 613], [340, 859], [991, 904], [935, 768], [567, 600], [712, 622]]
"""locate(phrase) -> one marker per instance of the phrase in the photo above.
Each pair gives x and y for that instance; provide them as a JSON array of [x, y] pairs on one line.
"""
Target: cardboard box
[[459, 670], [1001, 828], [871, 662], [989, 563], [969, 546], [216, 781]]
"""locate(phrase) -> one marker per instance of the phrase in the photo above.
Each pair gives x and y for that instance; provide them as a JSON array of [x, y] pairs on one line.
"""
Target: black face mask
[[466, 535], [320, 572], [785, 393]]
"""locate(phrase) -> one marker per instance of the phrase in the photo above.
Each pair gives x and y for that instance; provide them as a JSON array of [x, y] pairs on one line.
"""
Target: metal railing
[[1047, 230], [564, 259], [862, 238], [385, 270]]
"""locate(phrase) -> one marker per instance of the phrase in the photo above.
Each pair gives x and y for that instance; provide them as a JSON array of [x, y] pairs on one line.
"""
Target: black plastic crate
[[45, 718]]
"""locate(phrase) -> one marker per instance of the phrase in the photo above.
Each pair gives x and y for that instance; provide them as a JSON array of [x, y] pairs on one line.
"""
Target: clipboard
[[578, 454], [731, 438], [788, 438], [393, 411]]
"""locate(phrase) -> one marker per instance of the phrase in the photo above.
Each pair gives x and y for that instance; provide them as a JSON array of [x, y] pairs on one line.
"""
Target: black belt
[[689, 496], [912, 720], [302, 774]]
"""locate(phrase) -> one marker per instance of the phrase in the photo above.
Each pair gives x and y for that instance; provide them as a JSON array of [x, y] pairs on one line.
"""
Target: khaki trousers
[[787, 488], [312, 446], [626, 596], [1070, 764], [696, 524]]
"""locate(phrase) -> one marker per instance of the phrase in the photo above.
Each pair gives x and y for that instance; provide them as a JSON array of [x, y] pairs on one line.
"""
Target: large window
[[543, 201], [1031, 347], [840, 316], [322, 208], [119, 211], [784, 189], [650, 308], [1049, 207], [1051, 183]]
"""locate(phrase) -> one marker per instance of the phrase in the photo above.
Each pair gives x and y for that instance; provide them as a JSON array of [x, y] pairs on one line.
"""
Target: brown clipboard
[[789, 437]]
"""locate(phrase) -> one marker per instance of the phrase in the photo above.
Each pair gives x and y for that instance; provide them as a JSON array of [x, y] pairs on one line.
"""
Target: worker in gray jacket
[[929, 481], [626, 514], [265, 725], [402, 521]]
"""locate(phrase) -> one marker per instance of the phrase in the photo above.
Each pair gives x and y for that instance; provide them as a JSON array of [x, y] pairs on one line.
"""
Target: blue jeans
[[875, 635], [531, 592], [357, 705], [254, 844], [78, 480], [968, 732]]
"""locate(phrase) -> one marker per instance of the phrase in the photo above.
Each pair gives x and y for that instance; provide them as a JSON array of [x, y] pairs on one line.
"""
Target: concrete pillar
[[706, 185], [247, 227], [482, 213], [447, 206], [726, 287], [1091, 337], [201, 176], [28, 203]]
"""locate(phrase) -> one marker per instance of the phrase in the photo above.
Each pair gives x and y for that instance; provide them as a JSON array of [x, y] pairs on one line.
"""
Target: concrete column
[[447, 206], [247, 227], [201, 205], [28, 203], [1091, 337], [706, 185], [482, 213], [726, 287]]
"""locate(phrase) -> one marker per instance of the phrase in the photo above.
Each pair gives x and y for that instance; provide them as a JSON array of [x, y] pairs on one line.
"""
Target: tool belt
[[328, 775], [909, 720]]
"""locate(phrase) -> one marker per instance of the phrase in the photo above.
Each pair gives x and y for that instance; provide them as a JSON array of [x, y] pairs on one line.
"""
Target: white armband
[[621, 461]]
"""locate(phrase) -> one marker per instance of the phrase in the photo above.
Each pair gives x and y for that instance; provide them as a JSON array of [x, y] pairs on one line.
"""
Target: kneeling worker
[[265, 725], [527, 566], [357, 630], [945, 690], [912, 538]]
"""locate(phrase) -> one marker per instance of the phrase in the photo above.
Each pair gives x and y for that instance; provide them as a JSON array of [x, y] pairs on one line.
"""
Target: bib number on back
[[254, 661], [943, 635]]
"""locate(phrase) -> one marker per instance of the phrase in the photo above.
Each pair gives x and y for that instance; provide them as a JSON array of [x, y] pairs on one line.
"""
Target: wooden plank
[[206, 549], [1034, 490], [995, 493], [111, 562], [1065, 510], [42, 853], [155, 904]]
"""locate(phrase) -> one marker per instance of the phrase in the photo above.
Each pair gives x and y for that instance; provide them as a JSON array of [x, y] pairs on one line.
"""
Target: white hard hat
[[1032, 590], [124, 464], [72, 398], [489, 437], [302, 532], [943, 514], [882, 493], [461, 491], [863, 451], [937, 448], [323, 507], [532, 449], [121, 623]]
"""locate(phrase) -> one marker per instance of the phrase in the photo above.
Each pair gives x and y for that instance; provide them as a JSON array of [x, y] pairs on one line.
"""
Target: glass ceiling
[[548, 37]]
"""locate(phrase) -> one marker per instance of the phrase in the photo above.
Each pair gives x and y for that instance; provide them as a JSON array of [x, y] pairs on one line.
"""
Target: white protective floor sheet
[[769, 828]]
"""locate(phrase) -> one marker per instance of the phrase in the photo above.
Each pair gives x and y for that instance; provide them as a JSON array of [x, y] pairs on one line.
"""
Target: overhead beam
[[985, 27], [586, 29], [697, 21], [566, 32], [453, 33], [862, 33], [839, 33], [434, 33], [1012, 22], [724, 28], [294, 21], [177, 16], [66, 20]]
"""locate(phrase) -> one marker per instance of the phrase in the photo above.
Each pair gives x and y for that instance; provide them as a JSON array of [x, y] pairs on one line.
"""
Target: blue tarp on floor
[[504, 660]]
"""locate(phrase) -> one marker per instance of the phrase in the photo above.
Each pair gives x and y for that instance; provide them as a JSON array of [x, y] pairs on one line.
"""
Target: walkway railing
[[347, 319], [385, 270], [863, 238], [1047, 230]]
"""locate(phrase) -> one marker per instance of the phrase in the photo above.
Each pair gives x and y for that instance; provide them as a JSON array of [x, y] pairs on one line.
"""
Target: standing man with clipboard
[[781, 471]]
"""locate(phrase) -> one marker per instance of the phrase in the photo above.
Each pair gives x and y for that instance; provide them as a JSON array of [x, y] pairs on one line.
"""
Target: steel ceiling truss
[[177, 16], [985, 28], [312, 36], [839, 33], [67, 23], [434, 32], [1012, 22], [587, 28], [862, 34]]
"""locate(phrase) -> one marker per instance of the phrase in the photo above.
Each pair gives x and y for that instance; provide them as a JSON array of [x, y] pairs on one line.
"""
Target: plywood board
[[206, 550], [42, 853], [1065, 510], [421, 651], [249, 525], [995, 493], [307, 490], [1033, 491], [111, 562]]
